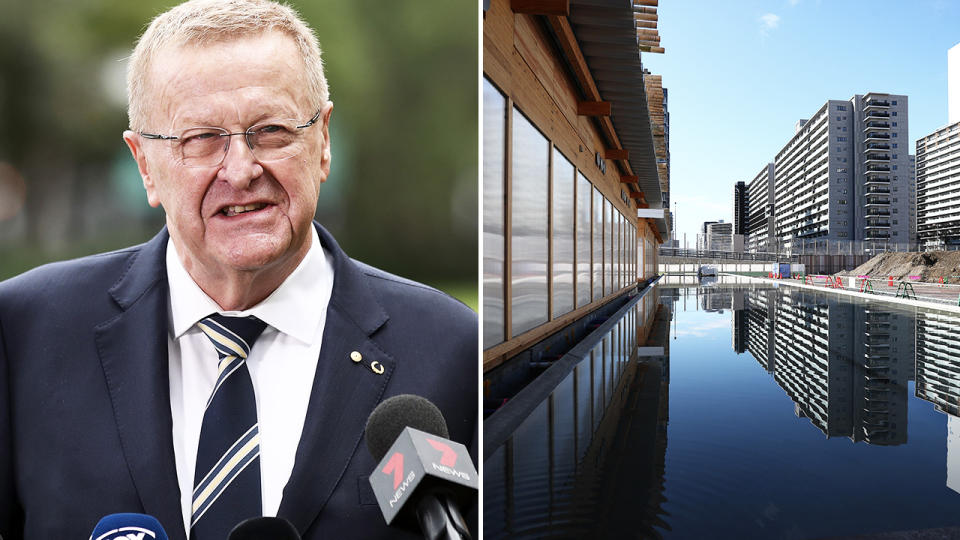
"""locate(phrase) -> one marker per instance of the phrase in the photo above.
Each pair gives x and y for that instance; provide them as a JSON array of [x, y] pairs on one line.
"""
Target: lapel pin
[[355, 356], [376, 367]]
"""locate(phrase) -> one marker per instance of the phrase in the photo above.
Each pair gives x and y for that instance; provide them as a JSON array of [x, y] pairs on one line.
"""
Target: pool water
[[772, 413]]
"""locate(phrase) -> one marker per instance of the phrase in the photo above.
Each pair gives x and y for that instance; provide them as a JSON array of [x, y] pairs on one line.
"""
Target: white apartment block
[[938, 188], [842, 176], [720, 236]]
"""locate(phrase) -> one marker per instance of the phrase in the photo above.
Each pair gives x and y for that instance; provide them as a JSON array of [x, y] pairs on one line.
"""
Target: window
[[841, 139], [583, 240], [894, 199], [894, 167], [597, 244], [894, 113], [841, 107], [844, 128], [894, 102], [838, 118], [844, 192], [894, 124], [894, 134], [562, 234], [895, 211], [895, 222], [894, 145], [843, 201], [494, 139], [529, 234], [842, 170], [894, 156]]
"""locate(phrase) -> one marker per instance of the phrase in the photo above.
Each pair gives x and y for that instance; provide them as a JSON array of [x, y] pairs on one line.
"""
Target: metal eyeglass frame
[[246, 133]]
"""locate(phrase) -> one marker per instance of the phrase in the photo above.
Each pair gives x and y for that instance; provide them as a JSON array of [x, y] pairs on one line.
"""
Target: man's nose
[[239, 167]]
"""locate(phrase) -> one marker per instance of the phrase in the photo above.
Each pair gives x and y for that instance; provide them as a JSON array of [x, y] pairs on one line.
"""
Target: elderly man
[[224, 369]]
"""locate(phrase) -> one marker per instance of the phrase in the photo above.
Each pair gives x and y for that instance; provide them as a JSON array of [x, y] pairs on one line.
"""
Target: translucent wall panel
[[528, 232], [607, 248], [563, 184], [494, 132], [597, 244], [584, 189]]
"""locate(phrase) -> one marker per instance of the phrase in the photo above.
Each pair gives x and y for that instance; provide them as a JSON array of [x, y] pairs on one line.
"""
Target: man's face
[[233, 84]]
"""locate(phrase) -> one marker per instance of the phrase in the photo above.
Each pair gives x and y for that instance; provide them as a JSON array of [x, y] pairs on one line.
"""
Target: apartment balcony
[[876, 125], [876, 136], [876, 113], [877, 146], [878, 158], [877, 225], [877, 212], [874, 316], [878, 168], [875, 104], [875, 178], [876, 235], [876, 190]]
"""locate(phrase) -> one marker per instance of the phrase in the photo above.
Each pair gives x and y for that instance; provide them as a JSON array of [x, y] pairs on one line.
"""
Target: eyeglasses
[[272, 140]]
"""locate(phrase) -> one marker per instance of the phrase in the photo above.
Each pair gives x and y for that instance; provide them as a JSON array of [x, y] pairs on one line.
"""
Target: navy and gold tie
[[227, 478]]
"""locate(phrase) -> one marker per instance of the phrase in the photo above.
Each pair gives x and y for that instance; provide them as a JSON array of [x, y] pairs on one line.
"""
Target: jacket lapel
[[133, 354], [344, 392]]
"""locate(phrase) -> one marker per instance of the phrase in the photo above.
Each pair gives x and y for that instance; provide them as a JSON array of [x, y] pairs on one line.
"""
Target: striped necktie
[[227, 476]]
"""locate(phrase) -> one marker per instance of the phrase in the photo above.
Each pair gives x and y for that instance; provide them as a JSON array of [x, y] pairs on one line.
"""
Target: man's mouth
[[231, 211]]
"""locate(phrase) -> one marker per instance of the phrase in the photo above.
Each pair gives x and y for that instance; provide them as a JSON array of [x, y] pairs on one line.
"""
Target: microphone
[[128, 527], [422, 478], [264, 528]]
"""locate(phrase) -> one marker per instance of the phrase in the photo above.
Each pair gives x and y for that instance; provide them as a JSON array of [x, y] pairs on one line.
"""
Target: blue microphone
[[128, 527]]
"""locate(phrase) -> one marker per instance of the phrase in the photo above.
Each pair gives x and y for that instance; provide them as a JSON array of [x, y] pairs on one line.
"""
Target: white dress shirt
[[282, 365]]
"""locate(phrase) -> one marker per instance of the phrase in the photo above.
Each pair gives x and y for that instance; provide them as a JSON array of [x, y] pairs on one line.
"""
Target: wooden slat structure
[[571, 68]]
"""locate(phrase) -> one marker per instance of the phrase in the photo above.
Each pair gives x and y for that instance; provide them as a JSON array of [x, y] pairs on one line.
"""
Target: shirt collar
[[293, 308]]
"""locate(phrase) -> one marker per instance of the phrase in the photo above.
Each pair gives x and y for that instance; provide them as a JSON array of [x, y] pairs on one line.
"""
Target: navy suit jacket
[[85, 422]]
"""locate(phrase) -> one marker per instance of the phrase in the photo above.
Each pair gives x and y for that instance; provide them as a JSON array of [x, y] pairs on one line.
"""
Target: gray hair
[[197, 21]]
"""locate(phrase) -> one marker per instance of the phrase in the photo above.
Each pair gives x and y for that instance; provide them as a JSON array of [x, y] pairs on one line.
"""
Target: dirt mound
[[930, 266]]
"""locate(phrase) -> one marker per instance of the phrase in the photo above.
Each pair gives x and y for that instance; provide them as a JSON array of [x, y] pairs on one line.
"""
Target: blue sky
[[740, 74]]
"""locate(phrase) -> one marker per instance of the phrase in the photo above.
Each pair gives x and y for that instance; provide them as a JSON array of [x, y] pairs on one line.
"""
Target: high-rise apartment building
[[759, 222], [938, 188], [842, 176], [912, 189], [740, 208], [938, 172]]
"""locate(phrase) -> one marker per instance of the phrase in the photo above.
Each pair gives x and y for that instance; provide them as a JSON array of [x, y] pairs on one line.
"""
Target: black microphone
[[128, 527], [264, 528], [423, 477]]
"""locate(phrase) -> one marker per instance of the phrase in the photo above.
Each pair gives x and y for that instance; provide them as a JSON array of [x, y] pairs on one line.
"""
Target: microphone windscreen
[[264, 528], [398, 412], [125, 526]]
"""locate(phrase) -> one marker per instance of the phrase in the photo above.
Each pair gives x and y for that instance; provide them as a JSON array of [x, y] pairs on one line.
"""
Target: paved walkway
[[933, 295]]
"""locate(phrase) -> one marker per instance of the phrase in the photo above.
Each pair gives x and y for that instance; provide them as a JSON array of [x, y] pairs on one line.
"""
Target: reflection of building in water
[[841, 364], [739, 330], [938, 379], [760, 318], [715, 299], [888, 348]]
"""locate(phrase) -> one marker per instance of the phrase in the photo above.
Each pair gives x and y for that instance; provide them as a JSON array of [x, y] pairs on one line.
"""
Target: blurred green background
[[402, 194]]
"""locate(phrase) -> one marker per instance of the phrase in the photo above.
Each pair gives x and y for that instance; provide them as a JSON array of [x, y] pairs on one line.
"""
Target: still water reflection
[[773, 413]]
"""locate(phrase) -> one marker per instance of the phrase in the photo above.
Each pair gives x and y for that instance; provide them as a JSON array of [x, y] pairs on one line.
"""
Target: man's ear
[[324, 120], [135, 144]]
